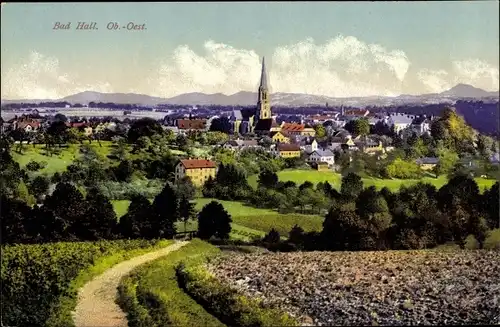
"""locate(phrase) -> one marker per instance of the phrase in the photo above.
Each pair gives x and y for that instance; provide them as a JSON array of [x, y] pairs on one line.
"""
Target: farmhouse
[[279, 137], [198, 170], [427, 163], [287, 150], [322, 156]]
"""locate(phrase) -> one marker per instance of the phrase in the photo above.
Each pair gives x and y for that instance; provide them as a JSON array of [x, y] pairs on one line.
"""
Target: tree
[[68, 205], [221, 124], [58, 132], [99, 221], [296, 235], [60, 118], [39, 186], [272, 237], [186, 210], [143, 127], [478, 227], [22, 193], [135, 223], [351, 186], [13, 218], [484, 146], [123, 172], [165, 212], [214, 220], [320, 131], [459, 222], [491, 204], [342, 228], [447, 159], [358, 127], [268, 179]]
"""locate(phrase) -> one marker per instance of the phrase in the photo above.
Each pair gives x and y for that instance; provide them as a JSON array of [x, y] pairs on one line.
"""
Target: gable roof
[[288, 147], [323, 153], [191, 123], [292, 127], [197, 163], [427, 161]]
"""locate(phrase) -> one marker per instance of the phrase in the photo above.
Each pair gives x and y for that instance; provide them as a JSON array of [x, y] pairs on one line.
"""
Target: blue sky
[[338, 49]]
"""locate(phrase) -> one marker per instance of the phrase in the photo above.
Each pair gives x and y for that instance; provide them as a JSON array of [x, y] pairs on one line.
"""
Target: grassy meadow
[[57, 162], [299, 176]]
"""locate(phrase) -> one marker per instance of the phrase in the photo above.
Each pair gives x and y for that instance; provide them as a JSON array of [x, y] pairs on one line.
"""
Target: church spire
[[263, 76]]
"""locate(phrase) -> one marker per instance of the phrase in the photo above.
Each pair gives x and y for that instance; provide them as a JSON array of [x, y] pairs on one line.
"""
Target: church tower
[[263, 103]]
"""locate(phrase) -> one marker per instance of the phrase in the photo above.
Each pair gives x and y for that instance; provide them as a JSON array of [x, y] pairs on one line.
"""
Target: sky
[[339, 49]]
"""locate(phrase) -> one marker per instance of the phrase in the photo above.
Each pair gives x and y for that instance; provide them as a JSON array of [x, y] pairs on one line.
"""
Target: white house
[[421, 125], [399, 121], [309, 145], [322, 156]]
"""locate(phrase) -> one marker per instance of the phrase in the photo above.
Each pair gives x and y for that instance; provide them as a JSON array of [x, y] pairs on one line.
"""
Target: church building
[[260, 121]]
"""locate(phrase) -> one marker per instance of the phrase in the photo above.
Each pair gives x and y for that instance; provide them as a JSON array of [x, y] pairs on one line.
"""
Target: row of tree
[[416, 217]]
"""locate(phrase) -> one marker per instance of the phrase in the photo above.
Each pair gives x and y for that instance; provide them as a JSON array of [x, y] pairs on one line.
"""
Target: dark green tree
[[351, 186], [268, 179], [272, 237], [135, 223], [214, 220], [165, 212]]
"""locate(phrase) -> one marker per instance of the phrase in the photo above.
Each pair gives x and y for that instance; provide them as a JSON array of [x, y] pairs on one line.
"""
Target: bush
[[225, 303], [37, 279], [151, 295], [35, 165]]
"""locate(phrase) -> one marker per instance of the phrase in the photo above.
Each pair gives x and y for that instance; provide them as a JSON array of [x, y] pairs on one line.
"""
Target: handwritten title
[[92, 26]]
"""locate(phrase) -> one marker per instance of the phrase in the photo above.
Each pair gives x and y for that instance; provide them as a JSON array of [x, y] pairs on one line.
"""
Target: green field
[[239, 231], [57, 162], [266, 219], [335, 179], [247, 221]]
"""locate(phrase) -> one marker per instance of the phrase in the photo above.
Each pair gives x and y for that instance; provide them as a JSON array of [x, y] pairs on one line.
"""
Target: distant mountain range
[[460, 91]]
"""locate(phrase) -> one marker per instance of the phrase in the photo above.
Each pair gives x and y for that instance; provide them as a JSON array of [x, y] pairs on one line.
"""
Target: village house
[[400, 122], [187, 125], [309, 145], [421, 125], [279, 137], [427, 163], [320, 166], [240, 144], [322, 156], [198, 170], [287, 150], [369, 146], [297, 129]]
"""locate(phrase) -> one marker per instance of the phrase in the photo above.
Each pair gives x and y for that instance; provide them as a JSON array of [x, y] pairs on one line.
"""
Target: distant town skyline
[[338, 49]]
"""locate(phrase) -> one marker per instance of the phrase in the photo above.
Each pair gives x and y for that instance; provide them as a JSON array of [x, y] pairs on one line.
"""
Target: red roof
[[33, 124], [292, 127], [198, 163], [191, 123], [288, 147], [357, 112]]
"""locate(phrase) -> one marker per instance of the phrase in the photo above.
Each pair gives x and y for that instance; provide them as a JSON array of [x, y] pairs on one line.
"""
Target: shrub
[[35, 277], [225, 303]]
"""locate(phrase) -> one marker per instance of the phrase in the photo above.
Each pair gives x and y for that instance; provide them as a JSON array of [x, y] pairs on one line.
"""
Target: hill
[[460, 91]]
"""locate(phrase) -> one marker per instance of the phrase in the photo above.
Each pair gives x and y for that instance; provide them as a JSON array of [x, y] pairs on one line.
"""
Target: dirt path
[[96, 300]]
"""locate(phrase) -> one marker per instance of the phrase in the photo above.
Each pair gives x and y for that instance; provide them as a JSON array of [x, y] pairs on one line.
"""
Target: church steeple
[[263, 75], [263, 102]]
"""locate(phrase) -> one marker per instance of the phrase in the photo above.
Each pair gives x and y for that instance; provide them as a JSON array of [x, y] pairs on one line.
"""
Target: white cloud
[[39, 77], [471, 71], [343, 66]]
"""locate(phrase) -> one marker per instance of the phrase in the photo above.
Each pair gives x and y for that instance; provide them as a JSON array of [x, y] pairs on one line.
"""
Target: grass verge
[[151, 296], [224, 302], [61, 312]]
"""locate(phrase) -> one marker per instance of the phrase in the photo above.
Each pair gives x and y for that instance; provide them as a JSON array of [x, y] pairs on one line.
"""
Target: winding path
[[96, 300]]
